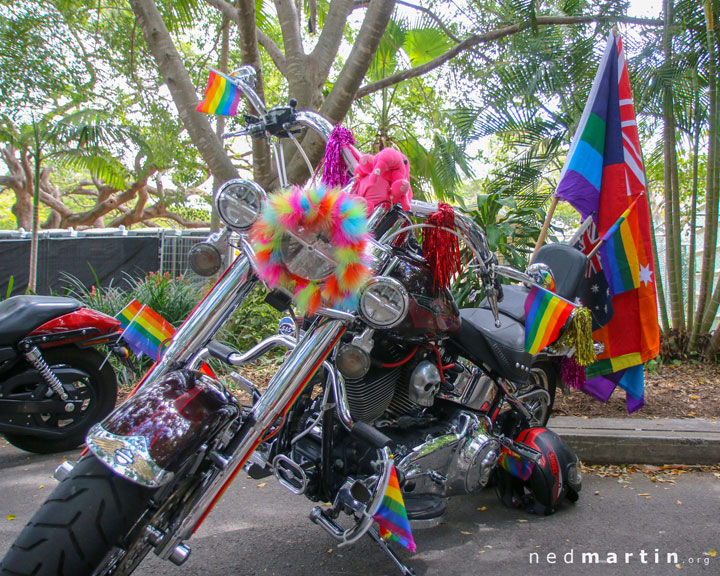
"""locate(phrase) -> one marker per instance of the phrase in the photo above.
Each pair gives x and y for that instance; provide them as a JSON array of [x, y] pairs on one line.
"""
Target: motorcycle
[[53, 385], [403, 386]]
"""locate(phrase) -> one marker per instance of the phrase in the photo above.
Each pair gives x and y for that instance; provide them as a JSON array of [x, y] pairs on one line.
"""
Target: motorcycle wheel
[[97, 389], [79, 525], [543, 376]]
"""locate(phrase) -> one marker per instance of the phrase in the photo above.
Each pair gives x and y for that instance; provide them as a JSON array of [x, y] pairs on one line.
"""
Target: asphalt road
[[261, 529]]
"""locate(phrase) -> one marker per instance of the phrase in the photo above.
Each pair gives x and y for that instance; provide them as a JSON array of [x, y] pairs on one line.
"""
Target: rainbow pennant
[[545, 315], [620, 256], [145, 330], [392, 516], [222, 96]]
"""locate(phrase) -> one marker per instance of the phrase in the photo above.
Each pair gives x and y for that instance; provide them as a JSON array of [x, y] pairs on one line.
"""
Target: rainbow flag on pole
[[222, 96], [392, 516], [545, 314], [620, 256], [145, 330], [603, 177]]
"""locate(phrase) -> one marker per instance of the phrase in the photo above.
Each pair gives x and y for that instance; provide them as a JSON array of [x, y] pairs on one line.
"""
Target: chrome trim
[[366, 511], [128, 456], [260, 349], [316, 122], [207, 318], [287, 382]]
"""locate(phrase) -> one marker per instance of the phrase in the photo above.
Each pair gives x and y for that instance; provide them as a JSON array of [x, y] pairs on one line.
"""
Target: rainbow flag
[[222, 96], [145, 330], [545, 315], [620, 254], [515, 464], [604, 177], [392, 516]]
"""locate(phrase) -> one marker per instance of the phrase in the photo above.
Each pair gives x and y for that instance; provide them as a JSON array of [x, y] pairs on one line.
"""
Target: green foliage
[[173, 297], [251, 322]]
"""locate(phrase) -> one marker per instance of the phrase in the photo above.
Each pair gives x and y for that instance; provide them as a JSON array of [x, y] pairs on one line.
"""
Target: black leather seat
[[20, 315], [568, 266], [500, 348]]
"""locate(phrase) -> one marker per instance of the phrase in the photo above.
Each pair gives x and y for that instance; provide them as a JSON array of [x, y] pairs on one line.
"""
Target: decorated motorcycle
[[389, 400]]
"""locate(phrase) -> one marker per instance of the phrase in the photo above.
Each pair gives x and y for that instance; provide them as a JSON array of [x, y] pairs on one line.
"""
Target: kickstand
[[407, 571]]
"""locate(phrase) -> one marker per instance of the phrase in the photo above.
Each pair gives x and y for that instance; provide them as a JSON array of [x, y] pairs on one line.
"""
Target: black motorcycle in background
[[448, 398]]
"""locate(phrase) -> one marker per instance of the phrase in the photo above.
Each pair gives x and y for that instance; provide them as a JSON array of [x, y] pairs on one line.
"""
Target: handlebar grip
[[220, 351], [372, 436]]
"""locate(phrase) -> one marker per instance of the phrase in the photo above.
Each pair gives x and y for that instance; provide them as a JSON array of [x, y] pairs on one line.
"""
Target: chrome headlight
[[308, 255], [384, 302], [239, 203]]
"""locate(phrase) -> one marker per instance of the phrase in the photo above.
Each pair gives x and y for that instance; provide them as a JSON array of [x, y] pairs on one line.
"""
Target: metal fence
[[105, 256]]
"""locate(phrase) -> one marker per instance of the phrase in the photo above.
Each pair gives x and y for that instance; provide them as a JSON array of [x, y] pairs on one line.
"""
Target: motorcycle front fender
[[156, 431]]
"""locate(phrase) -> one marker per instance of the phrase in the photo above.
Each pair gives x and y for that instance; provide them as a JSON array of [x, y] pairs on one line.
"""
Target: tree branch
[[264, 40], [491, 36], [182, 90], [331, 37]]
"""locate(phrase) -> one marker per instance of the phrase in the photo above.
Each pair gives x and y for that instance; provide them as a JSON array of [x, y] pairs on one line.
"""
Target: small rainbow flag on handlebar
[[392, 516], [545, 314], [222, 96]]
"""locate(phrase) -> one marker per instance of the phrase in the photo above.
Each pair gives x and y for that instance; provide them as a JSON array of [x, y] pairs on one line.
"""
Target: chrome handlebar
[[485, 262]]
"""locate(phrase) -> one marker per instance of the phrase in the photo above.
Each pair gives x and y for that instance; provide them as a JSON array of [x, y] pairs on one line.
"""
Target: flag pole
[[545, 227]]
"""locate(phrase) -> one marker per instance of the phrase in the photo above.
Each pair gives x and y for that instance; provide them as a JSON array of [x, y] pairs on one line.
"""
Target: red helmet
[[539, 487]]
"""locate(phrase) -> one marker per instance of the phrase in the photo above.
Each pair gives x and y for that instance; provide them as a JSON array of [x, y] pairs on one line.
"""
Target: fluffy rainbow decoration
[[329, 212]]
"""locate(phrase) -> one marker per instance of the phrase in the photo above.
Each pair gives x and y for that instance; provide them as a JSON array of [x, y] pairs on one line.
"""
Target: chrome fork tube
[[207, 318], [282, 390]]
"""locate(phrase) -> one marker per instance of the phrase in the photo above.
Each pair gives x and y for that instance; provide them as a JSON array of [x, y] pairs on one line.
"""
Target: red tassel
[[441, 247]]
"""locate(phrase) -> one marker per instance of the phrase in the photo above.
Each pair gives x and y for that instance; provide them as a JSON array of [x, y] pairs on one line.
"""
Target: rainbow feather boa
[[327, 211]]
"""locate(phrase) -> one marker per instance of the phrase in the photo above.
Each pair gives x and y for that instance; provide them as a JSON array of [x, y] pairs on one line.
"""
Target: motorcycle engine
[[397, 390]]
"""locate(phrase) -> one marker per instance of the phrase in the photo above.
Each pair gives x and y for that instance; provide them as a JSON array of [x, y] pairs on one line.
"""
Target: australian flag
[[595, 292]]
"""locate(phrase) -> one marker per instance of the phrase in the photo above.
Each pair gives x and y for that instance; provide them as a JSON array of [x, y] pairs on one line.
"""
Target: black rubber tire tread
[[87, 514], [104, 384]]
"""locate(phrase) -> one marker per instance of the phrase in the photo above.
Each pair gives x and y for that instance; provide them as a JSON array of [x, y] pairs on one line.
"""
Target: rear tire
[[84, 518], [97, 388], [543, 376]]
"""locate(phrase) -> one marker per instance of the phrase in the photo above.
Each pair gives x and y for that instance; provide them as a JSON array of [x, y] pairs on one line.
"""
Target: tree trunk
[[342, 95], [181, 88], [673, 257], [247, 27], [693, 206], [703, 311]]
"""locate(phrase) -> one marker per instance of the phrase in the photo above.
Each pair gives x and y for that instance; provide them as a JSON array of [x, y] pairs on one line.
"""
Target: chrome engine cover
[[458, 462]]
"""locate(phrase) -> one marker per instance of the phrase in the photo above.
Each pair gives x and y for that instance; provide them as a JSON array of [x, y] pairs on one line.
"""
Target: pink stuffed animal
[[384, 177]]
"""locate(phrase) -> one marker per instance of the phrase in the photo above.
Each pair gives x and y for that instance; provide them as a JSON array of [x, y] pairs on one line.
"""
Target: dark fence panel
[[111, 259]]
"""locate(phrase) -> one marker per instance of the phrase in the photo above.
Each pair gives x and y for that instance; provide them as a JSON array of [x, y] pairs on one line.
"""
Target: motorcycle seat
[[20, 315], [513, 302], [500, 348]]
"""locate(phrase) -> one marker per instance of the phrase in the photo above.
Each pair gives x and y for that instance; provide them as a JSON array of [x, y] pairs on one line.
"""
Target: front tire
[[95, 386], [84, 518]]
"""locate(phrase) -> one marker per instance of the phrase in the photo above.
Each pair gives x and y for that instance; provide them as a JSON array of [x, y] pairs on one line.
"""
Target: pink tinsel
[[572, 373], [440, 247], [335, 172]]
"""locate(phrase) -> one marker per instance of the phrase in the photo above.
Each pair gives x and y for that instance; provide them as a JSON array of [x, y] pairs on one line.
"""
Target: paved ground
[[261, 529]]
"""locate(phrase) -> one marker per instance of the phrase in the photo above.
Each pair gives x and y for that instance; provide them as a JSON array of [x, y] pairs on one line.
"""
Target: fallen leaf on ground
[[11, 517]]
